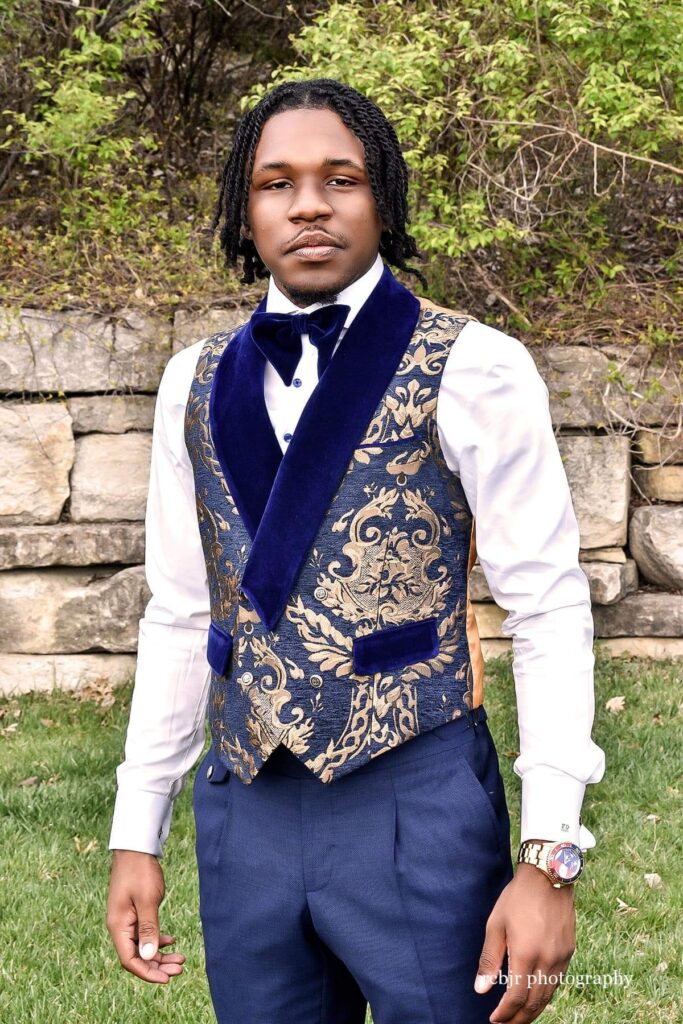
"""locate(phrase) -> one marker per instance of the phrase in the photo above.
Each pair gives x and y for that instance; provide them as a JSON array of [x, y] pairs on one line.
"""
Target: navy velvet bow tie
[[278, 336]]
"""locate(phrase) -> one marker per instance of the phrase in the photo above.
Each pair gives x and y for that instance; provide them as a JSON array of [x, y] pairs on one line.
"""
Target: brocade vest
[[338, 573]]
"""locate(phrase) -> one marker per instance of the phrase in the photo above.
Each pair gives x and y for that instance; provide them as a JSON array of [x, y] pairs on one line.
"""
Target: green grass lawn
[[57, 963]]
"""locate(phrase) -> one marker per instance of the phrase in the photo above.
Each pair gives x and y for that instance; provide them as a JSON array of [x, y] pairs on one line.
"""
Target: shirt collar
[[354, 296]]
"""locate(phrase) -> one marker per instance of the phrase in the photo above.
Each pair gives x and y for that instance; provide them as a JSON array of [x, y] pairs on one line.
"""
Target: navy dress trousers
[[319, 899]]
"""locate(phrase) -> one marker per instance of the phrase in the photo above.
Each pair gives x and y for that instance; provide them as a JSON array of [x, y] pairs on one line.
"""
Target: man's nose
[[309, 201]]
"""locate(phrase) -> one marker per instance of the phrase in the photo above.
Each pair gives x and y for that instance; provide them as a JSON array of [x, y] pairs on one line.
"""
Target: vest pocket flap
[[218, 649], [395, 647]]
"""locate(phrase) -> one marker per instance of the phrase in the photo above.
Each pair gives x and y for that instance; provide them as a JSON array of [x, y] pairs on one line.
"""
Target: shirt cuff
[[141, 822], [551, 806]]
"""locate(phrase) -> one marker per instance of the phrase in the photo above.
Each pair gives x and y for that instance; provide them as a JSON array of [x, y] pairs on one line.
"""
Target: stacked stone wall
[[77, 395]]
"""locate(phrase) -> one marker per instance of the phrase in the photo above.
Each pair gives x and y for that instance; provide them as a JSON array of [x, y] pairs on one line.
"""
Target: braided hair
[[386, 167]]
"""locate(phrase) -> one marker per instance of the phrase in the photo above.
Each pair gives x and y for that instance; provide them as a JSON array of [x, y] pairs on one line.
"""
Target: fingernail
[[481, 983], [147, 951]]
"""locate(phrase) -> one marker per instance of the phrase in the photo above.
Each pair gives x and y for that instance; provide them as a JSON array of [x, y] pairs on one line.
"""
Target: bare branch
[[579, 138]]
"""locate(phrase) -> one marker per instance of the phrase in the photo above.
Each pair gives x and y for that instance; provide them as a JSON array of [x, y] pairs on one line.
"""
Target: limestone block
[[141, 349], [641, 614], [609, 582], [190, 326], [661, 483], [77, 351], [658, 648], [659, 448], [68, 611], [628, 400], [489, 620], [36, 455], [598, 471], [582, 394], [28, 673], [110, 478], [656, 542], [615, 555], [72, 544], [111, 414], [575, 378]]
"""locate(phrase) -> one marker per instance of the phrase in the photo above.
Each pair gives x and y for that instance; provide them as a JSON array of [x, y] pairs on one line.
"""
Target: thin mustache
[[301, 240]]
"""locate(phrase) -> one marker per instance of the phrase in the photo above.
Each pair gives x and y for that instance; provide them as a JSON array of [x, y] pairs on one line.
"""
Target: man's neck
[[353, 295]]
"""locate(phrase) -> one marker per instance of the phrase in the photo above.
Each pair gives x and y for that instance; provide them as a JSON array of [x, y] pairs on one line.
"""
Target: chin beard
[[302, 297]]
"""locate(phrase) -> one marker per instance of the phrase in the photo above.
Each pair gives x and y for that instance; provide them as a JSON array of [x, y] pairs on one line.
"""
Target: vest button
[[320, 593], [316, 681], [457, 713], [296, 382], [209, 771], [247, 677]]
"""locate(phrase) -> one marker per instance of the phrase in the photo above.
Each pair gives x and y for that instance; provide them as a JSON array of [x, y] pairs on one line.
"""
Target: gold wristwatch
[[561, 862]]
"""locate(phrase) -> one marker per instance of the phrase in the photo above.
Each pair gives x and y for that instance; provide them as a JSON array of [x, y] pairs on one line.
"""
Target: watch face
[[565, 861]]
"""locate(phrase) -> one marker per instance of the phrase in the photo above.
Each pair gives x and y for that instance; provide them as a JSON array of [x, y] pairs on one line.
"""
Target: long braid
[[386, 167]]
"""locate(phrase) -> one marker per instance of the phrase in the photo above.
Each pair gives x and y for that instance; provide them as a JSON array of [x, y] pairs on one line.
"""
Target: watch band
[[530, 851]]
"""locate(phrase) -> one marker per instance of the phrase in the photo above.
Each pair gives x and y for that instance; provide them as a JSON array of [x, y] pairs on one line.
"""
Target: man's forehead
[[319, 136], [292, 164]]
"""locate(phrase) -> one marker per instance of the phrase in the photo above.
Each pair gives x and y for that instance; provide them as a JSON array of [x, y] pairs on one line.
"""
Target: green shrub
[[72, 125], [543, 136]]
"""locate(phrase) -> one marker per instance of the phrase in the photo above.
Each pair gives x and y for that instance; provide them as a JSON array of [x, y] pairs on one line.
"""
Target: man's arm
[[165, 733], [496, 432]]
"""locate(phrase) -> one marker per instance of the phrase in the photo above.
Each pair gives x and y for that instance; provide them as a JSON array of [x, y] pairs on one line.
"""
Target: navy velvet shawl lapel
[[282, 499]]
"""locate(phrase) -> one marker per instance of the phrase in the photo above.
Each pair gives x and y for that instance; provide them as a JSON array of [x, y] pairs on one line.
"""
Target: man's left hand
[[537, 925]]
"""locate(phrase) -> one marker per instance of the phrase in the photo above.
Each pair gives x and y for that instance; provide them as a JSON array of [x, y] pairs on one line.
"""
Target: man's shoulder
[[479, 345], [180, 370], [181, 367], [432, 307]]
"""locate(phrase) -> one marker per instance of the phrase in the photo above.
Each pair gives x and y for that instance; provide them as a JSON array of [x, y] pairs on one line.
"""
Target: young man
[[316, 475]]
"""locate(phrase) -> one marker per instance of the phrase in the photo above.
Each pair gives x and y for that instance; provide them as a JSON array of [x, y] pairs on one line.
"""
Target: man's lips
[[313, 245]]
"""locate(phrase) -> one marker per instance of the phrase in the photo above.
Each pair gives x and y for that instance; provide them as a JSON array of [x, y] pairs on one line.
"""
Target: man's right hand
[[136, 889]]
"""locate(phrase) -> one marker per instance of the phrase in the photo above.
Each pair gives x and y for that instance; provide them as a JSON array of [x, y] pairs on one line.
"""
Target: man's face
[[311, 212]]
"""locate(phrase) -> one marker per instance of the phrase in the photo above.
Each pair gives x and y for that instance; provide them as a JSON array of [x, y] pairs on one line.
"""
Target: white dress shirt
[[496, 432]]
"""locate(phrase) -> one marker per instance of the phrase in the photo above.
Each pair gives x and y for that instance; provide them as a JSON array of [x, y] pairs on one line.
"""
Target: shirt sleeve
[[495, 428], [165, 734]]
